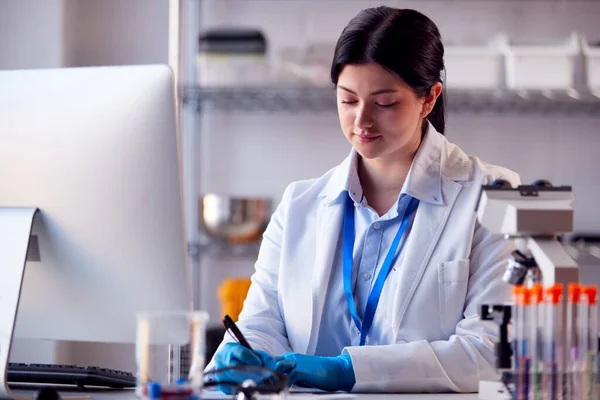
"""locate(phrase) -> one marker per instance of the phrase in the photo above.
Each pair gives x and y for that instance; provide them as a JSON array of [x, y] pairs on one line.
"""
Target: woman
[[370, 277]]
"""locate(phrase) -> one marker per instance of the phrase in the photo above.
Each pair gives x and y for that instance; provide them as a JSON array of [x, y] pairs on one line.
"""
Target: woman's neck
[[382, 178]]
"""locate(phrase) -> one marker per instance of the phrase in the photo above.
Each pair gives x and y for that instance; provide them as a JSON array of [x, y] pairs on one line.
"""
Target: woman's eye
[[348, 101], [386, 105]]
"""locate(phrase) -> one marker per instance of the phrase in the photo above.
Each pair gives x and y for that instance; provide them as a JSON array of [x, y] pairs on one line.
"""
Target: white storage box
[[474, 67], [232, 57], [541, 66], [305, 65], [592, 64]]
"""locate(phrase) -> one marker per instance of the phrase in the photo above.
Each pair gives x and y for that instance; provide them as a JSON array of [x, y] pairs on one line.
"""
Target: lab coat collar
[[435, 158]]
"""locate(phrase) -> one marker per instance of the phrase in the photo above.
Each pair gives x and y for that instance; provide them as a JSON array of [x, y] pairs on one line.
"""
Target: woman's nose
[[364, 118]]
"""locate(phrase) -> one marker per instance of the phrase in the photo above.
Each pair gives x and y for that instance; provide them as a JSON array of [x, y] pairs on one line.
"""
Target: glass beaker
[[170, 354]]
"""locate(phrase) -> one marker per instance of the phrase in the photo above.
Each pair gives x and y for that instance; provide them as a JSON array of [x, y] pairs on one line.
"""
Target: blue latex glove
[[325, 373], [234, 354]]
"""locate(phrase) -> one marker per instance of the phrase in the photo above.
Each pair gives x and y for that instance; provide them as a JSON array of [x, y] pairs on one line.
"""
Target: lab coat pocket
[[453, 280]]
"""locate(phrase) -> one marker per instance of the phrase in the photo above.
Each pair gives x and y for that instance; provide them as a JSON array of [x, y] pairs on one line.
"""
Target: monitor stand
[[15, 230]]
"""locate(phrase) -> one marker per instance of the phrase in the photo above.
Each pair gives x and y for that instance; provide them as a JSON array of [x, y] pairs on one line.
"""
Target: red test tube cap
[[554, 294], [574, 292], [537, 293], [591, 293]]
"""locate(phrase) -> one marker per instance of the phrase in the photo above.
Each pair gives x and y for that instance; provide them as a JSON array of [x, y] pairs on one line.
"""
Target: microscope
[[533, 216]]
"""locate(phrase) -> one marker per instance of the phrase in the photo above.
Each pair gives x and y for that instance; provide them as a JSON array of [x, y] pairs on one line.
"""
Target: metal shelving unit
[[194, 101], [293, 99]]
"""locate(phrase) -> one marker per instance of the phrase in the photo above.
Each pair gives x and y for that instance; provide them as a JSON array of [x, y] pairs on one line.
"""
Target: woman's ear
[[431, 98]]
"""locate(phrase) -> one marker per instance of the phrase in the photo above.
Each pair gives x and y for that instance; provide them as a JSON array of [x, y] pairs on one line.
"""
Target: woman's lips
[[367, 138]]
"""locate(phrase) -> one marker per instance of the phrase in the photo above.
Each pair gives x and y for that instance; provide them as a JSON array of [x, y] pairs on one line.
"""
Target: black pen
[[230, 324]]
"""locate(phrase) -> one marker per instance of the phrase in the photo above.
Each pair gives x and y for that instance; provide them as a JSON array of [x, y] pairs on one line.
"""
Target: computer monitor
[[97, 151]]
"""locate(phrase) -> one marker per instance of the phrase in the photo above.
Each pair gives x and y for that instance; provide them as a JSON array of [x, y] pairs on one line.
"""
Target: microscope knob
[[502, 184], [542, 183]]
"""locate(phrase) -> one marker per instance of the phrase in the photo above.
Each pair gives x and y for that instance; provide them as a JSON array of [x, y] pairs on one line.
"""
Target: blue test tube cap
[[181, 381], [154, 390]]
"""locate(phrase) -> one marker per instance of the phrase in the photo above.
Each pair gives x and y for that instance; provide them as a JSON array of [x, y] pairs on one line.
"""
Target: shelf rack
[[296, 99], [224, 251], [184, 26]]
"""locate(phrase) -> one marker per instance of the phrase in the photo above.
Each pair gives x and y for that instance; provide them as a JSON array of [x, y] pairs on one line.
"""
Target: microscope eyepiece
[[501, 184], [542, 183]]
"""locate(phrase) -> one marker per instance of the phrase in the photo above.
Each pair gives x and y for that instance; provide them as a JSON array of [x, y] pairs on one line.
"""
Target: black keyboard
[[68, 375]]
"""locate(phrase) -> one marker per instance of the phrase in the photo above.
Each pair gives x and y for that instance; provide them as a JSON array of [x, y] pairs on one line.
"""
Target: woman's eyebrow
[[375, 93]]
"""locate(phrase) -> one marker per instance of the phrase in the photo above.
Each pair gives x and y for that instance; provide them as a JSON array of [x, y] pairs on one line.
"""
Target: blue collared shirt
[[373, 237]]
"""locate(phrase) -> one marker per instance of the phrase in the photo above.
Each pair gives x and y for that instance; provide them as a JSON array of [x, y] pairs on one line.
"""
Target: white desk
[[129, 395]]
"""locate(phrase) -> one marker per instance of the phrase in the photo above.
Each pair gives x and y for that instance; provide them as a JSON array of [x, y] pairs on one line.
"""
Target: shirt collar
[[423, 181]]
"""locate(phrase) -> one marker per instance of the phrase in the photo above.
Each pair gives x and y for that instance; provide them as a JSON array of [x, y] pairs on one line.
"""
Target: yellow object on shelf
[[232, 294]]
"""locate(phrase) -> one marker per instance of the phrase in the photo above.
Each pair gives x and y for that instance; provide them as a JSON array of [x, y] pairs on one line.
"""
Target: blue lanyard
[[348, 249]]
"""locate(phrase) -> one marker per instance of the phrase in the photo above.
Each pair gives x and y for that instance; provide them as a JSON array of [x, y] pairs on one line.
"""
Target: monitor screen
[[96, 150]]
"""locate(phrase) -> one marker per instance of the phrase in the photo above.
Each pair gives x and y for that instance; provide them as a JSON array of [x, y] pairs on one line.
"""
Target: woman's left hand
[[325, 373]]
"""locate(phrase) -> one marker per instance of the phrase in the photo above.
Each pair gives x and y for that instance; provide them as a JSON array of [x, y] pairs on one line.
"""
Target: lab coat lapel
[[424, 236], [329, 224]]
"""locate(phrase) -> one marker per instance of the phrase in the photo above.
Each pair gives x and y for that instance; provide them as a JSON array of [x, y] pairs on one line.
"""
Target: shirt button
[[376, 225], [366, 276]]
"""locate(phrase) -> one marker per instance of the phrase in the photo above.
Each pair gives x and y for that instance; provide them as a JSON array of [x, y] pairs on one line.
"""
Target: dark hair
[[403, 41]]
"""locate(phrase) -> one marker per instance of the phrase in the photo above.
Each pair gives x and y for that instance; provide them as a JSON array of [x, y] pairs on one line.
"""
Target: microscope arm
[[556, 264]]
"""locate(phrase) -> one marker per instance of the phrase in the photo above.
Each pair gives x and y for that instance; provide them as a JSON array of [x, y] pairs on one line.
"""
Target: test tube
[[536, 326], [522, 301], [583, 344], [573, 387], [589, 299], [552, 379]]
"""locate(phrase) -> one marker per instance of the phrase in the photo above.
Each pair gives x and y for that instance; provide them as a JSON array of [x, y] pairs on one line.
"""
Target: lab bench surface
[[128, 394]]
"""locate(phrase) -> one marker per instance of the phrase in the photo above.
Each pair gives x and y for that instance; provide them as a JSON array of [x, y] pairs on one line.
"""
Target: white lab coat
[[451, 266]]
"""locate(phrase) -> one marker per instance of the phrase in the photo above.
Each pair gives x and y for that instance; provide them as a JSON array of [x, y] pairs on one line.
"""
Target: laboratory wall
[[562, 148], [71, 33], [31, 34], [250, 154]]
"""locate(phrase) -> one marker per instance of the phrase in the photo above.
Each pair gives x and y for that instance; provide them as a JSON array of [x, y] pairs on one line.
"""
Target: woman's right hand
[[233, 355]]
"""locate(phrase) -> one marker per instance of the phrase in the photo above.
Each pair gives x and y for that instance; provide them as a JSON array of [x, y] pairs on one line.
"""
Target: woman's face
[[381, 115]]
